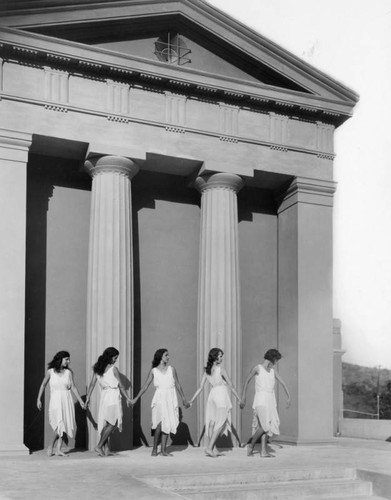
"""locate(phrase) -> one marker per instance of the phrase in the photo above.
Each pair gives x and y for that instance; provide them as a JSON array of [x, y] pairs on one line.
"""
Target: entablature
[[92, 62]]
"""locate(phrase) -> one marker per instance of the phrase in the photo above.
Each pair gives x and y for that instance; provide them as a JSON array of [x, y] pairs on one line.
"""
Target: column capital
[[219, 181], [111, 164]]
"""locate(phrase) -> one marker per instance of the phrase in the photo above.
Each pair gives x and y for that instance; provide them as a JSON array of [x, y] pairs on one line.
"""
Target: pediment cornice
[[101, 63], [85, 15]]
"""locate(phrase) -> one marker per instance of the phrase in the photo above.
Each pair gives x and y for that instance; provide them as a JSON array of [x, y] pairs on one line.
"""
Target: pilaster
[[14, 147], [305, 320]]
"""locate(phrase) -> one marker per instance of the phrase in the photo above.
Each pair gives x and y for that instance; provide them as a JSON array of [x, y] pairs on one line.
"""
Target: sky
[[350, 41]]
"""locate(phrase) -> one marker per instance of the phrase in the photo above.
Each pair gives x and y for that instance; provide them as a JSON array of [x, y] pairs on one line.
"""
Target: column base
[[9, 450], [296, 441]]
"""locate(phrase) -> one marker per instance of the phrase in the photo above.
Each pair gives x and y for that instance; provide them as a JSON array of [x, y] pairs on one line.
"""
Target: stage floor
[[83, 475]]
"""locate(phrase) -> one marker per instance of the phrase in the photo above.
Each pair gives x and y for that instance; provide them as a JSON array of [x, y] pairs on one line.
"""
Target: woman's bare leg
[[164, 445], [257, 434], [212, 441], [104, 436], [264, 452], [156, 437], [59, 453], [49, 451]]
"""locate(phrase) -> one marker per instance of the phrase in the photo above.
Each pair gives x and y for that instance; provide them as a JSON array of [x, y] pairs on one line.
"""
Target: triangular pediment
[[190, 35], [183, 42]]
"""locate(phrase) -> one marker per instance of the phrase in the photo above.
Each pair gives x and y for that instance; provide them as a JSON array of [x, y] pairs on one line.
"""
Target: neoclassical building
[[166, 180]]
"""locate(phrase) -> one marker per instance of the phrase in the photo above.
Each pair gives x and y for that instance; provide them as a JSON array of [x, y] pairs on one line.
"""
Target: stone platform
[[354, 469]]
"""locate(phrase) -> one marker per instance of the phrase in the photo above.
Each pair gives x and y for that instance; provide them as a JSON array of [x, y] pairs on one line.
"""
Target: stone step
[[365, 497], [284, 490], [254, 476], [285, 484]]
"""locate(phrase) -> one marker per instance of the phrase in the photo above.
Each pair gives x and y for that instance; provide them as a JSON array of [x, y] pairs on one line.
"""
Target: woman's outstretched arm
[[252, 373], [224, 374], [120, 386], [186, 404], [147, 383], [41, 389], [90, 389], [76, 392], [203, 380], [288, 401]]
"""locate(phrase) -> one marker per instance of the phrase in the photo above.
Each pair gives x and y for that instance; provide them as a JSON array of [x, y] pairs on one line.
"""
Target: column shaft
[[110, 269], [219, 322]]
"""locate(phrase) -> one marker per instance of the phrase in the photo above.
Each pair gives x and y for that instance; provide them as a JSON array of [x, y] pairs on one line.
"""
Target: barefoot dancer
[[61, 407], [110, 406], [264, 406], [165, 414], [218, 407]]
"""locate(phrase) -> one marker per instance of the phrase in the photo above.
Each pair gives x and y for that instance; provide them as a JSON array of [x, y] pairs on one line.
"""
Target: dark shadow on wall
[[39, 190], [120, 441], [81, 426], [43, 174], [147, 187], [138, 435], [182, 437], [255, 200]]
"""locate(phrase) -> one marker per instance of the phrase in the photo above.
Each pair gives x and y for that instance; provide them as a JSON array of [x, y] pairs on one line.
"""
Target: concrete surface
[[84, 475]]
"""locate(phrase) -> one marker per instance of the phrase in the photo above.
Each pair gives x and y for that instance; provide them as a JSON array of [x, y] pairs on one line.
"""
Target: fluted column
[[219, 323], [110, 270]]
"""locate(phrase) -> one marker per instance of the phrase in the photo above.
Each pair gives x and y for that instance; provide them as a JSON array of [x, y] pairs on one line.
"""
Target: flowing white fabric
[[218, 406], [110, 407], [165, 402], [61, 406], [265, 405]]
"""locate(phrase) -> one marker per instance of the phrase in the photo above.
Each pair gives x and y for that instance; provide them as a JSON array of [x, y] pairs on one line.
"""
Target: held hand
[[39, 404], [129, 402], [83, 405], [242, 404], [186, 404]]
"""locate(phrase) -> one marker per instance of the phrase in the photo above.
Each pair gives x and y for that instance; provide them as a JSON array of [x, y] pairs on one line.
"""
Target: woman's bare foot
[[165, 454], [209, 453], [60, 453], [49, 451], [266, 455], [250, 451], [99, 451], [154, 453], [107, 452]]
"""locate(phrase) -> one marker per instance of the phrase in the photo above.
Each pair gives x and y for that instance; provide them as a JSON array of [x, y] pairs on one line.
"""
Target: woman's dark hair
[[273, 355], [55, 363], [106, 358], [158, 357], [212, 356]]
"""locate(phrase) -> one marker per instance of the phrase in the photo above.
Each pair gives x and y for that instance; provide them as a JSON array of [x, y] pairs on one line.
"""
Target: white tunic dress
[[218, 406], [61, 406], [165, 402], [265, 405], [110, 406]]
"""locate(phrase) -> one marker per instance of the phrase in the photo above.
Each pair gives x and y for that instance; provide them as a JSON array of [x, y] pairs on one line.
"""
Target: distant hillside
[[357, 374], [360, 386]]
